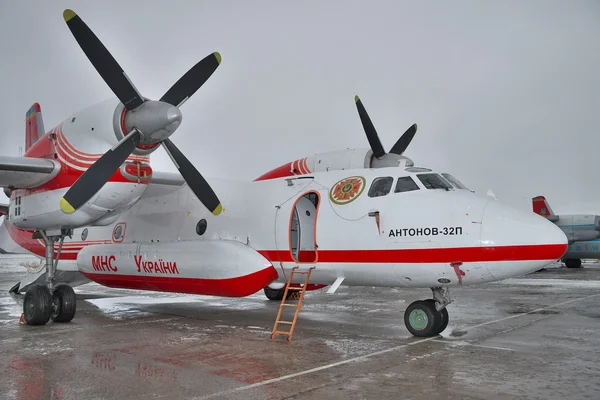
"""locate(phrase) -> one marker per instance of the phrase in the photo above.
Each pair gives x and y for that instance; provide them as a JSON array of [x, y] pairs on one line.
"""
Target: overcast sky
[[506, 94]]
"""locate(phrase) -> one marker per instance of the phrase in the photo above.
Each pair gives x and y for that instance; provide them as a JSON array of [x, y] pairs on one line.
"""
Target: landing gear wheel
[[422, 319], [573, 263], [37, 305], [443, 318], [274, 294], [63, 303]]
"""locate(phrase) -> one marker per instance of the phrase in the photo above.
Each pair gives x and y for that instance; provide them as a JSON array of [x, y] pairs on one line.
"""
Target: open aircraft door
[[296, 224]]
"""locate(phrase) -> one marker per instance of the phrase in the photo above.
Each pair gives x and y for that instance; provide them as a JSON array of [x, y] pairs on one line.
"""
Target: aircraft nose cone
[[519, 242]]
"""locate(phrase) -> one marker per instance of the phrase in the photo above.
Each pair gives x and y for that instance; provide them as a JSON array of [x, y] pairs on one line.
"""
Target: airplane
[[85, 199], [582, 231]]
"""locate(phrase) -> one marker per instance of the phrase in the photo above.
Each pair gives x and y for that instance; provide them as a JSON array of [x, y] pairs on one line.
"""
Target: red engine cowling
[[335, 161]]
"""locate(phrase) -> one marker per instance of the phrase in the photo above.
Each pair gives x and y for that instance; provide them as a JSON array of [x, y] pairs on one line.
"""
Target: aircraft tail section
[[34, 125], [542, 207]]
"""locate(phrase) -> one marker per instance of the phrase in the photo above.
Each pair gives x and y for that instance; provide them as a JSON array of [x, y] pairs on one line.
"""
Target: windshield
[[434, 181], [457, 184], [381, 186]]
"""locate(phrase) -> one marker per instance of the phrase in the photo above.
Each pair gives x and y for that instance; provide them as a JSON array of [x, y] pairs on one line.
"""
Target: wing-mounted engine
[[36, 182], [140, 125], [336, 160], [580, 228], [103, 150], [375, 157]]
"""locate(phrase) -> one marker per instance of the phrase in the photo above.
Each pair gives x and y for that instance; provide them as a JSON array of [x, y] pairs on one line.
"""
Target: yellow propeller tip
[[356, 99], [218, 210], [217, 56], [68, 14], [65, 206]]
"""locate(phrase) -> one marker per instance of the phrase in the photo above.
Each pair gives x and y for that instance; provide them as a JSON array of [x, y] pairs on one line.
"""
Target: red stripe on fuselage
[[434, 255], [240, 286], [398, 256]]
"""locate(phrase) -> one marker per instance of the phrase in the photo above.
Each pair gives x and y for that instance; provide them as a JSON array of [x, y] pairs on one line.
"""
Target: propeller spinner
[[148, 122], [378, 150]]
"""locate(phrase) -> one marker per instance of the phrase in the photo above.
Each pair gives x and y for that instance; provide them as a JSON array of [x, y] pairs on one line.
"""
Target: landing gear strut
[[425, 318], [45, 301]]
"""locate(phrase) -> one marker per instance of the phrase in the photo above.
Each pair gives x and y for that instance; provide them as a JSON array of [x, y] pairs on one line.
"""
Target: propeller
[[148, 122], [378, 150]]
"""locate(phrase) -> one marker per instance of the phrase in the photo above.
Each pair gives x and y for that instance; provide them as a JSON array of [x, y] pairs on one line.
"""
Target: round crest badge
[[347, 190]]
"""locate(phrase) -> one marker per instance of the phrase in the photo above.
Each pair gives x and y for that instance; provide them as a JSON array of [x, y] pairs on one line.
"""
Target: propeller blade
[[187, 85], [195, 181], [404, 140], [98, 174], [372, 137], [103, 61]]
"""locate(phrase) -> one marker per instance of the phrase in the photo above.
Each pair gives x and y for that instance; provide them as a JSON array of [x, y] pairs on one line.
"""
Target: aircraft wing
[[163, 183], [26, 172]]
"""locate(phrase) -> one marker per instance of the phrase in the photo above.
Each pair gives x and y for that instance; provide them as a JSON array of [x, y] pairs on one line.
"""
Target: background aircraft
[[582, 231]]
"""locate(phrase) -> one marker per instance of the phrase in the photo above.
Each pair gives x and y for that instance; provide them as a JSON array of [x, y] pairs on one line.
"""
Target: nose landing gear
[[426, 318], [45, 301]]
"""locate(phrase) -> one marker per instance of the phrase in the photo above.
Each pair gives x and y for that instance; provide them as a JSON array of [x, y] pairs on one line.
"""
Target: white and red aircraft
[[362, 217]]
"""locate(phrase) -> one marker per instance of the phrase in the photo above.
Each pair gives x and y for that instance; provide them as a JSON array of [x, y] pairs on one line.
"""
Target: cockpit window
[[405, 184], [381, 186], [434, 181], [455, 182]]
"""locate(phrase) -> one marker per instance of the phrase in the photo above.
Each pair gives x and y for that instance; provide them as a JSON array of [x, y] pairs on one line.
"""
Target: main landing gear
[[573, 263], [45, 301], [425, 318]]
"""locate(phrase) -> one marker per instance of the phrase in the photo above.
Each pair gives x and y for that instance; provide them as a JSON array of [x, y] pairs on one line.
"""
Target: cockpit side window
[[434, 181], [381, 186], [405, 184], [455, 182]]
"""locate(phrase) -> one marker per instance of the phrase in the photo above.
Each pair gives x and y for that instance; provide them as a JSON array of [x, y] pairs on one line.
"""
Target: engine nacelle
[[30, 209], [209, 267], [337, 160], [76, 144], [580, 228]]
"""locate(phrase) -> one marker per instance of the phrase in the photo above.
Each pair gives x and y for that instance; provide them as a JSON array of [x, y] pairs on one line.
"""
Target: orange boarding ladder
[[297, 305]]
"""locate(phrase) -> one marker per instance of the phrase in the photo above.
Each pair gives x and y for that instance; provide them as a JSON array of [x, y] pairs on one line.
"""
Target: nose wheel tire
[[37, 305], [443, 318], [63, 303], [423, 320]]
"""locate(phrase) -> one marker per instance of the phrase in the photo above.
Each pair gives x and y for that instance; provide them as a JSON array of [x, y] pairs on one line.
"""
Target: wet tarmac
[[535, 337]]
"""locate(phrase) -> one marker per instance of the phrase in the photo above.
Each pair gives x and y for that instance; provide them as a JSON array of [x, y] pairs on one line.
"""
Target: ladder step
[[297, 294]]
